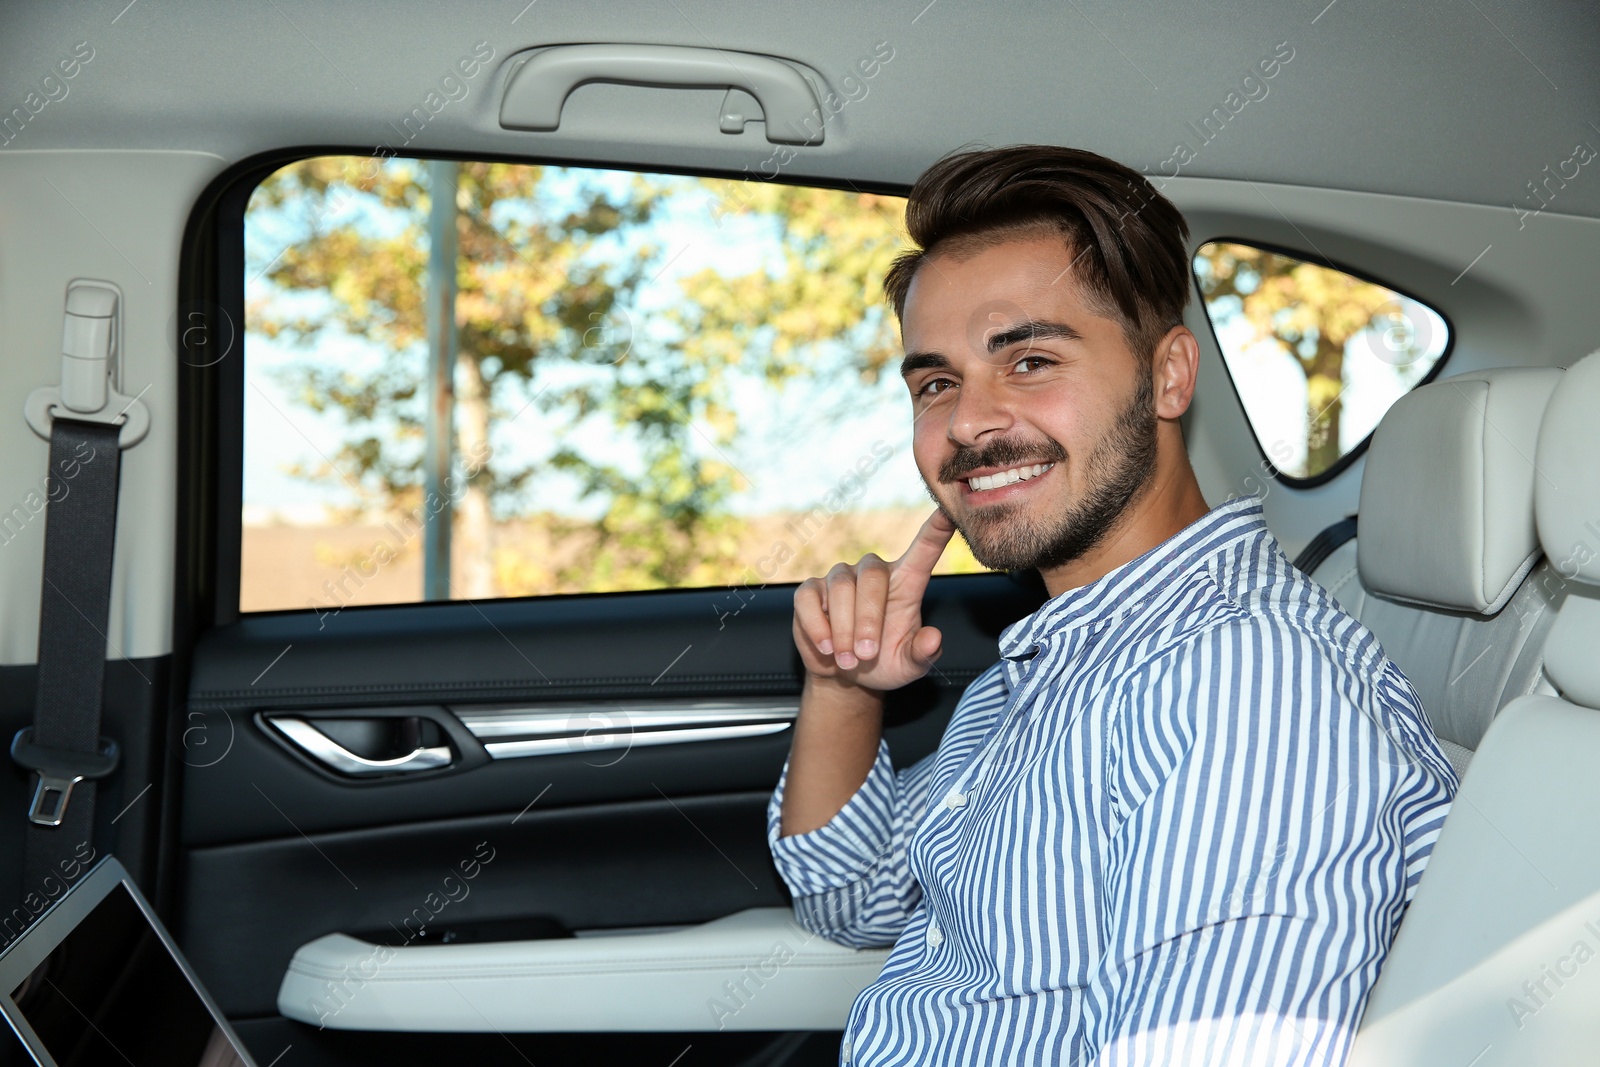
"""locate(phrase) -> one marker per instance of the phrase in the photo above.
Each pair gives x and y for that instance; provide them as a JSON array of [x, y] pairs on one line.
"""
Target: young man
[[1179, 820]]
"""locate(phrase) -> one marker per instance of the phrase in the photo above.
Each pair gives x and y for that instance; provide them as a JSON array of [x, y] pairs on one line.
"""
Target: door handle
[[325, 750]]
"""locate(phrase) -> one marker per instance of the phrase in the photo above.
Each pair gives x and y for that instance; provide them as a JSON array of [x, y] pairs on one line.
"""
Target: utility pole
[[439, 449]]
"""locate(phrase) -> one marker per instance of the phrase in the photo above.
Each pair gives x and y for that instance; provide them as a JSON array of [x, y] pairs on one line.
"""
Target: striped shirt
[[1177, 823]]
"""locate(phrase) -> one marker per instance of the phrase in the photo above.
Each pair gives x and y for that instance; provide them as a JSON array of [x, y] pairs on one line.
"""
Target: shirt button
[[935, 935], [954, 800], [844, 1048]]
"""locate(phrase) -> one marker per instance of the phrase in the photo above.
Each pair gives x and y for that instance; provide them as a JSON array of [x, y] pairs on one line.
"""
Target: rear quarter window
[[1316, 354]]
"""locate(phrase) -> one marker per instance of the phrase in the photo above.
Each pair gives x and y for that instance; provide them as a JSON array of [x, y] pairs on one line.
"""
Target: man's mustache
[[1000, 454]]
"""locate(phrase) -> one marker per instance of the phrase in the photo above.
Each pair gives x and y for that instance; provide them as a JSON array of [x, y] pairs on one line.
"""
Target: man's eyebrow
[[1028, 330], [916, 361], [1031, 330]]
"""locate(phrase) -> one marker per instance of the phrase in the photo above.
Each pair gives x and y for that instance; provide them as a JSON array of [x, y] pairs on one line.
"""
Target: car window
[[1316, 355], [659, 381]]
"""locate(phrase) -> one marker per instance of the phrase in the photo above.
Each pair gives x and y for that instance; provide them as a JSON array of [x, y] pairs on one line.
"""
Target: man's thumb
[[927, 645]]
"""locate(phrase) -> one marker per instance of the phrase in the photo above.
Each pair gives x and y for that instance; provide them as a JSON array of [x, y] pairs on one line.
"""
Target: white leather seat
[[1498, 959], [1446, 569]]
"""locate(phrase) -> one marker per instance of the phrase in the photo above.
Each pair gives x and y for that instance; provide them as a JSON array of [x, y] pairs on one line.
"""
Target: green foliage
[[540, 290], [827, 289]]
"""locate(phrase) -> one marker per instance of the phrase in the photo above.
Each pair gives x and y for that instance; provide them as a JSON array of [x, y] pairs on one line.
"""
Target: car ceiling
[[1465, 100]]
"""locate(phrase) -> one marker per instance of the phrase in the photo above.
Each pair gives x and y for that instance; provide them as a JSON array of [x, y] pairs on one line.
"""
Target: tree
[[825, 293], [528, 295], [552, 267], [1313, 311], [814, 313]]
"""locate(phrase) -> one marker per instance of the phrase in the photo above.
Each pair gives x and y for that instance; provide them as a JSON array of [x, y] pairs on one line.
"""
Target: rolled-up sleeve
[[850, 878]]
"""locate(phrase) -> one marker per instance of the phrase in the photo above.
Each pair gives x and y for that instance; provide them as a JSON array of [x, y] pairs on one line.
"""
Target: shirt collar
[[1124, 588]]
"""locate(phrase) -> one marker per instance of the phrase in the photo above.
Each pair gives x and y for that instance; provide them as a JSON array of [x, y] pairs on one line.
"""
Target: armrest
[[755, 970]]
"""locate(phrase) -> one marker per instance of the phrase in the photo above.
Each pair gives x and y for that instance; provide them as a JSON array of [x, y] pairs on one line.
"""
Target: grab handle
[[536, 93]]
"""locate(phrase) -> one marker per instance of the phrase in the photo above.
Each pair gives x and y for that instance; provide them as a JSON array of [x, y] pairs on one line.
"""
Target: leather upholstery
[[1498, 959], [1497, 963], [1447, 495], [1572, 655], [1567, 504], [1446, 570], [1465, 666], [1568, 454]]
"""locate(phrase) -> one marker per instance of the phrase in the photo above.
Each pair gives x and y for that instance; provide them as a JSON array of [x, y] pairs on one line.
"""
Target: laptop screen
[[112, 992]]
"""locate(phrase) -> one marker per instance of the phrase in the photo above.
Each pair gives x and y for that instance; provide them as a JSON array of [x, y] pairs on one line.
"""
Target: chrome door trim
[[550, 746], [595, 726]]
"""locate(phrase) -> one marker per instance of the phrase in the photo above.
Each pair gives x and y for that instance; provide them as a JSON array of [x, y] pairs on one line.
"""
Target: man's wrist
[[842, 693]]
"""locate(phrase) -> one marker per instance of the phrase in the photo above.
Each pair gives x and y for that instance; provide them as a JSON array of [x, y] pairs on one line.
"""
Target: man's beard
[[1118, 470]]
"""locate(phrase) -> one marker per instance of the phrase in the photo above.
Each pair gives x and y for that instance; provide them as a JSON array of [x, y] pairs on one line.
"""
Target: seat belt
[[1323, 545], [63, 746], [88, 423]]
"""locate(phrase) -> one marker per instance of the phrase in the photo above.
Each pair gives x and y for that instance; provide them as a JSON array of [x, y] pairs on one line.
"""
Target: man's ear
[[1177, 362]]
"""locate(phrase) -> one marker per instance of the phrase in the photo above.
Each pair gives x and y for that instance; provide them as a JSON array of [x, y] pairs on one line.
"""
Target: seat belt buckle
[[58, 772], [50, 797]]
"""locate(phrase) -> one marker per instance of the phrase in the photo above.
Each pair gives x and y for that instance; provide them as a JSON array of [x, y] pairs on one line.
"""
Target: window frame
[[1317, 260], [211, 282]]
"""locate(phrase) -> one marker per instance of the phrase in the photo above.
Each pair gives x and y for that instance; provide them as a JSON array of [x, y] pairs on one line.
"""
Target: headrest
[[1567, 504], [1447, 495]]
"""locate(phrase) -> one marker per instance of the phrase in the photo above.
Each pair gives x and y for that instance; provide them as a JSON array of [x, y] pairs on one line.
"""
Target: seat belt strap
[[1324, 544], [88, 423], [64, 747]]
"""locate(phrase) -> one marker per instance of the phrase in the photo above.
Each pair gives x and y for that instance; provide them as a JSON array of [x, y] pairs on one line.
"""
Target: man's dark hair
[[1128, 242]]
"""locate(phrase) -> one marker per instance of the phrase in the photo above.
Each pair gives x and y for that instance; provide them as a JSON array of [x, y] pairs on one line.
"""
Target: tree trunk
[[474, 526], [1324, 393]]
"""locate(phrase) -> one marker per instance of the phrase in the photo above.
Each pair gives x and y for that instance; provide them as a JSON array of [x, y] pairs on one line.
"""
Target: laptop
[[97, 980]]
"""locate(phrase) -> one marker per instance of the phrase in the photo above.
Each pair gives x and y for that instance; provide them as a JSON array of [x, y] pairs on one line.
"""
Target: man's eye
[[928, 386], [1042, 361]]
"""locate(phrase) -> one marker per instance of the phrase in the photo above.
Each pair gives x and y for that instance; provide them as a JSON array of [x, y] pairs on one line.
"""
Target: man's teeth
[[1015, 474]]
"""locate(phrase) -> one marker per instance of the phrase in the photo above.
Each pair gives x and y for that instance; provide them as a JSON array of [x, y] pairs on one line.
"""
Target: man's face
[[1009, 371]]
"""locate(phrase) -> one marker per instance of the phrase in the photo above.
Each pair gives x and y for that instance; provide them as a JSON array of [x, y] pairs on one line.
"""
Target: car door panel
[[278, 851], [462, 654], [304, 1046], [550, 873]]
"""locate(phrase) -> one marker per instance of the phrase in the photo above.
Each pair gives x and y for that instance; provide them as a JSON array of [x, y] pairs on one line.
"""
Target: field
[[324, 567]]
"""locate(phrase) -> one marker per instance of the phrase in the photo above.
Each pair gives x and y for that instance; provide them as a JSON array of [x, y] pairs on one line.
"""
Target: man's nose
[[981, 408]]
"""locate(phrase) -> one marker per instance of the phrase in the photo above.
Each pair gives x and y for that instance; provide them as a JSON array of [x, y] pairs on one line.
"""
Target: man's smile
[[993, 484]]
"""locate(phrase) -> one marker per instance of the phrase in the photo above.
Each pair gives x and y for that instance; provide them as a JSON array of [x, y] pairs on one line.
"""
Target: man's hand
[[860, 634], [862, 625]]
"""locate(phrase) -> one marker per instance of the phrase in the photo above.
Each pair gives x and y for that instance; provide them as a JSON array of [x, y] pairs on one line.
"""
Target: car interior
[[474, 383]]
